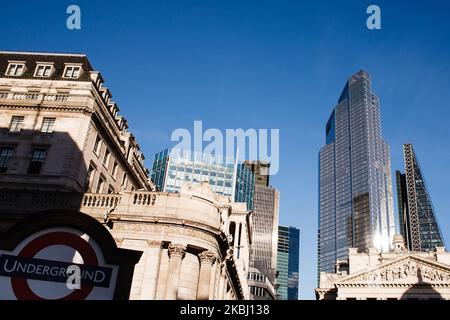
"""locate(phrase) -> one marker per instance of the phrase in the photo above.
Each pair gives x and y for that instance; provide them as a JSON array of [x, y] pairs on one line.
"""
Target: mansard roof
[[59, 61]]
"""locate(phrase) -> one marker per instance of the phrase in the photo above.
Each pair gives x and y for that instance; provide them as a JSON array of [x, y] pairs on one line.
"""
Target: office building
[[263, 257], [265, 231], [60, 130], [355, 183], [261, 171], [225, 176], [418, 223], [287, 263]]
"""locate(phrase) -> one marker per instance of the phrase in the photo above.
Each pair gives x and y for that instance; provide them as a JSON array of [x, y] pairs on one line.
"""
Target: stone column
[[176, 254], [151, 269], [221, 282], [207, 259]]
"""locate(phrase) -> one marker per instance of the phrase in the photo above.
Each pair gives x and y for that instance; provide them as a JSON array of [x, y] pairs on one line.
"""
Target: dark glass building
[[418, 224], [355, 183], [287, 263]]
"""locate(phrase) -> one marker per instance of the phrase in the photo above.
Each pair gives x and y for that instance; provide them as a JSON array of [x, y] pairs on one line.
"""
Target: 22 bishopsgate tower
[[355, 183]]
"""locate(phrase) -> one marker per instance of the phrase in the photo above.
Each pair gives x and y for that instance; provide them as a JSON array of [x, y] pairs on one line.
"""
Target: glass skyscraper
[[355, 183], [225, 176], [287, 263], [418, 224]]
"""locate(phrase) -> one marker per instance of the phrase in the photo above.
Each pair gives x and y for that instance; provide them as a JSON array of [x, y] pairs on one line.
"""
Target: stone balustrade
[[33, 96], [96, 200], [36, 97]]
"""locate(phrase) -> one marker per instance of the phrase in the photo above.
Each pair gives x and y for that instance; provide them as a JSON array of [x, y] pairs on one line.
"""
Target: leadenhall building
[[64, 146]]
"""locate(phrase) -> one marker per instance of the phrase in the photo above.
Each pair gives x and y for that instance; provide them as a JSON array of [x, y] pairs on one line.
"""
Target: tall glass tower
[[287, 263], [355, 183], [418, 223]]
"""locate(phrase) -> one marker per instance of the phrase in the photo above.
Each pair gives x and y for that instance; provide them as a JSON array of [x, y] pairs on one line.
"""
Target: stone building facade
[[396, 275], [60, 128], [189, 252], [63, 145]]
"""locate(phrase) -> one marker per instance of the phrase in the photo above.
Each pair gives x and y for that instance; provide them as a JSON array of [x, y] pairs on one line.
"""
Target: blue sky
[[263, 64]]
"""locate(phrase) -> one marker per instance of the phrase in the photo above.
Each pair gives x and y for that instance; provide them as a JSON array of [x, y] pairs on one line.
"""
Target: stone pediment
[[408, 269]]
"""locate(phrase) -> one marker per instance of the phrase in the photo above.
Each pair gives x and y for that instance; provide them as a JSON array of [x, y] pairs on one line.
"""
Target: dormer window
[[43, 70], [15, 69], [72, 72]]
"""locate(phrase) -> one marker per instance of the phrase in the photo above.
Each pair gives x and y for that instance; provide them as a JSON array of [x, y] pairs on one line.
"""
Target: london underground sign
[[24, 266], [37, 255]]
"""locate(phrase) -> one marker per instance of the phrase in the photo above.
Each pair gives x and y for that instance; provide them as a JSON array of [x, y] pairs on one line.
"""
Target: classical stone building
[[396, 275], [60, 128], [189, 252], [64, 145]]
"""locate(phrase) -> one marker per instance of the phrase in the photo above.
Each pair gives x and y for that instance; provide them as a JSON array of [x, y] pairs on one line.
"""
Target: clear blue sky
[[263, 64]]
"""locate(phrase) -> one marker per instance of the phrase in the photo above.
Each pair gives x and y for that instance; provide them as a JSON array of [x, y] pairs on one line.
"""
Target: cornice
[[83, 109]]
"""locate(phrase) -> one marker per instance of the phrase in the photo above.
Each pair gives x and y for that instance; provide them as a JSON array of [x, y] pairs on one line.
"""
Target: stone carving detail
[[153, 243], [406, 270], [177, 251], [207, 257], [229, 255]]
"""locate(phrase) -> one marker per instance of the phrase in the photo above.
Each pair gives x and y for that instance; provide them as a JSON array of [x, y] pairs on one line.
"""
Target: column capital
[[207, 256], [154, 243], [177, 250]]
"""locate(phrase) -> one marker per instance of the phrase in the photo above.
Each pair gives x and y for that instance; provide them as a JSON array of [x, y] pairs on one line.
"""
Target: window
[[37, 159], [97, 145], [124, 181], [72, 72], [115, 169], [110, 190], [15, 69], [6, 153], [89, 177], [106, 158], [48, 124], [16, 123], [43, 70], [101, 184]]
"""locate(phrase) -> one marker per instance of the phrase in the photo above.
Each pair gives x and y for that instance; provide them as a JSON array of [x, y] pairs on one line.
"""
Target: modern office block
[[288, 263], [355, 184], [265, 231], [261, 170], [418, 224], [225, 176]]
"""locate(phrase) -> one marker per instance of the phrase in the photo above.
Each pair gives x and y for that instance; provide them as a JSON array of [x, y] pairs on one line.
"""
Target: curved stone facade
[[188, 249]]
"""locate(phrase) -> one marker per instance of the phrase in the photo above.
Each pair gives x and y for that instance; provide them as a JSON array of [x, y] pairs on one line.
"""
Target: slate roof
[[32, 58]]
